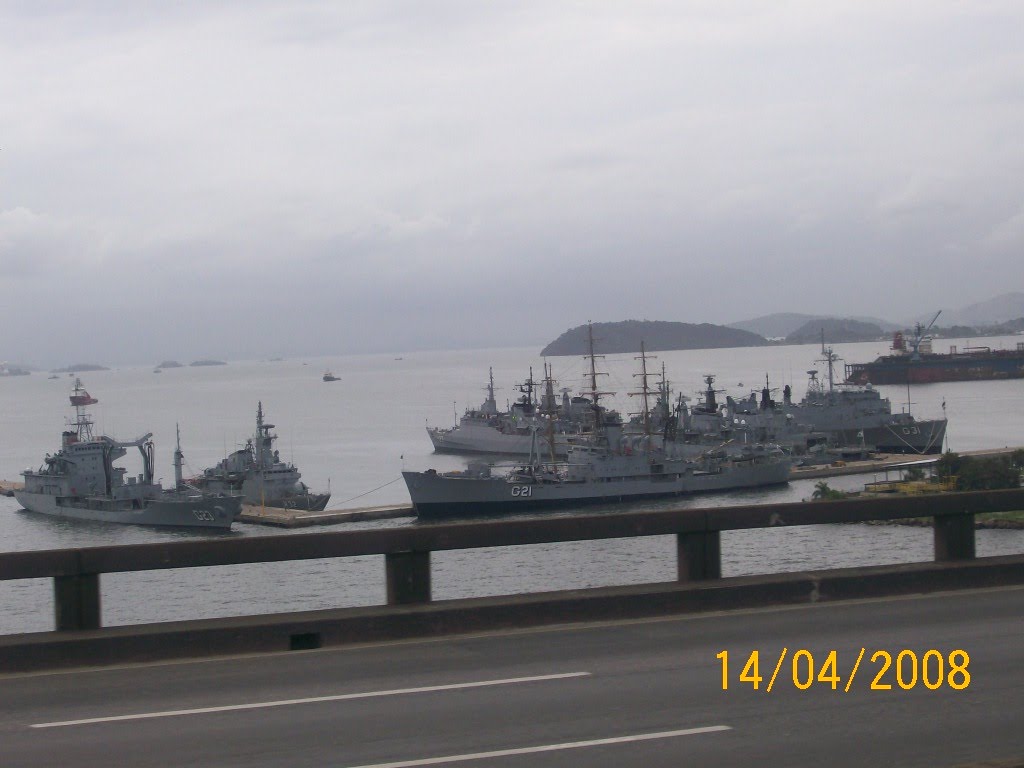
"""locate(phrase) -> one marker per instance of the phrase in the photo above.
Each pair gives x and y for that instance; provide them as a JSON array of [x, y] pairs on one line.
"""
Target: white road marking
[[312, 700], [548, 747]]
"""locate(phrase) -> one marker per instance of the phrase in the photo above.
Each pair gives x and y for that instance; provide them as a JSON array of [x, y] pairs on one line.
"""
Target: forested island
[[657, 335]]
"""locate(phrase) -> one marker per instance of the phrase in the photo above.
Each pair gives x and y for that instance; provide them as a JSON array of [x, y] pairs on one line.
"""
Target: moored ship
[[81, 482], [490, 431], [968, 364], [258, 474], [608, 466], [913, 361], [839, 415]]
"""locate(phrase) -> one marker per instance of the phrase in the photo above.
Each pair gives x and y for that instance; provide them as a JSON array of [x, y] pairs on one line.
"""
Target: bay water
[[355, 436]]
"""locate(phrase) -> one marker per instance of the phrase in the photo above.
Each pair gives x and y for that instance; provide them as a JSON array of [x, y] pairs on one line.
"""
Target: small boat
[[328, 376]]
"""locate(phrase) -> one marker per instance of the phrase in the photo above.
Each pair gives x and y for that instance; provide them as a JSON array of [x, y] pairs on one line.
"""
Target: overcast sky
[[256, 179]]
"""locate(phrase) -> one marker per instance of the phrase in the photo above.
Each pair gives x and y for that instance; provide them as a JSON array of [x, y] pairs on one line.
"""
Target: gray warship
[[608, 466], [81, 482], [257, 472], [839, 415], [490, 431]]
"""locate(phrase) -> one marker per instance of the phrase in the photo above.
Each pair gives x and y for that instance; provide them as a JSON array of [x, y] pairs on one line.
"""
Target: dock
[[884, 461], [301, 518]]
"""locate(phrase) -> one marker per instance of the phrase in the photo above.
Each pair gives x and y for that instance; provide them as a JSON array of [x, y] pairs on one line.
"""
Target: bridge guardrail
[[76, 572]]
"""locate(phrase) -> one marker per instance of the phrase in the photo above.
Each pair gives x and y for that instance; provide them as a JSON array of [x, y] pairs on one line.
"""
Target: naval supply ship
[[81, 482], [258, 474]]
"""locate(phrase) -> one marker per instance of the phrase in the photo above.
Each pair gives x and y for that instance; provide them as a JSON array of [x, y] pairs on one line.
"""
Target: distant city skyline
[[246, 181]]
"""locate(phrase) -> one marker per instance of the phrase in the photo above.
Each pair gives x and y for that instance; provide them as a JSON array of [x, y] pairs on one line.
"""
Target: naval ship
[[609, 466], [81, 482], [257, 472], [490, 431]]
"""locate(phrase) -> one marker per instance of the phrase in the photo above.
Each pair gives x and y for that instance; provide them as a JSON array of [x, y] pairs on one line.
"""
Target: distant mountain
[[774, 326], [657, 335], [780, 325], [1000, 309], [835, 330]]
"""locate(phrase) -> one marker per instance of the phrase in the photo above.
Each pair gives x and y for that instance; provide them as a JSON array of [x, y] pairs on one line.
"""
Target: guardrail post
[[699, 555], [954, 537], [76, 601], [408, 577]]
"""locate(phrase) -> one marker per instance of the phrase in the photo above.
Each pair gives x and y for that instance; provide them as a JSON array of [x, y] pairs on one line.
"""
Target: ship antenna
[[549, 407], [178, 456]]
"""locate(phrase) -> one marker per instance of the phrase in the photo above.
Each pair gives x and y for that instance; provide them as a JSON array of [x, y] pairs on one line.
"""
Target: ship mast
[[82, 423], [178, 457], [527, 388], [549, 408], [593, 391], [264, 439], [829, 357], [490, 407], [644, 392]]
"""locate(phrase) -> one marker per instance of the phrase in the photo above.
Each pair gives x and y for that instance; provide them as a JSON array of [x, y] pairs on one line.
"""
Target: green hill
[[657, 335]]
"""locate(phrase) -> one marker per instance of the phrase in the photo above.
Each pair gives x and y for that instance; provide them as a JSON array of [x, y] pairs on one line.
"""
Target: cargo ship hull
[[929, 369]]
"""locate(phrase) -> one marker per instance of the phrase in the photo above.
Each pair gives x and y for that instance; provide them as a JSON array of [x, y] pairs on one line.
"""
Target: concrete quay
[[301, 518]]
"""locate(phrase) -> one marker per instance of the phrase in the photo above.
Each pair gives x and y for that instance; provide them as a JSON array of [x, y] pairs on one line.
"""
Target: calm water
[[355, 435]]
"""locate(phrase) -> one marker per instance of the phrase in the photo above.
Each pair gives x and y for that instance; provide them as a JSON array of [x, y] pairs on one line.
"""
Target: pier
[[301, 518]]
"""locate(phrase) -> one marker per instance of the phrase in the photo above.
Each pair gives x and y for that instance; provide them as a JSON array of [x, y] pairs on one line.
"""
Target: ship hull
[[493, 442], [196, 512], [264, 495], [436, 496], [917, 437], [931, 371]]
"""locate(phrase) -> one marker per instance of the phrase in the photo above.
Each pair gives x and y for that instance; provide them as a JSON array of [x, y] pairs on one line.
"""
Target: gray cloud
[[270, 178]]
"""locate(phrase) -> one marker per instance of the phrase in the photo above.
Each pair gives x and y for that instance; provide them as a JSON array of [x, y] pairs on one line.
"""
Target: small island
[[12, 370], [198, 363], [656, 335], [80, 368], [169, 364]]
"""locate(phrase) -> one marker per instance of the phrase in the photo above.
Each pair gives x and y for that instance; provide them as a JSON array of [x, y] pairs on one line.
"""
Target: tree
[[823, 492]]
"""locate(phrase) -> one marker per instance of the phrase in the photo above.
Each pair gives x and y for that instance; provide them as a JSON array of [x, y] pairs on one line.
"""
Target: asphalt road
[[621, 693]]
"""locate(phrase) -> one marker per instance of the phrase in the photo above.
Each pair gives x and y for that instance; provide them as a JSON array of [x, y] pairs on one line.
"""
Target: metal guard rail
[[407, 549]]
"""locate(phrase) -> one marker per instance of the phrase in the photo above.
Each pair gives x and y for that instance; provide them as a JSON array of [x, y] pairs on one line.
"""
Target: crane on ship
[[919, 332]]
